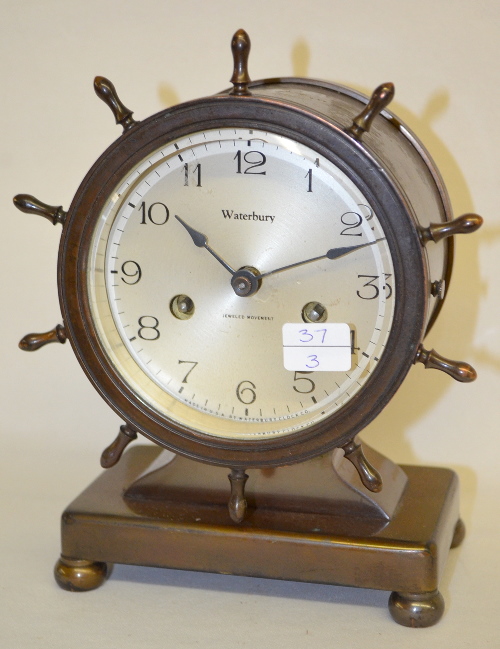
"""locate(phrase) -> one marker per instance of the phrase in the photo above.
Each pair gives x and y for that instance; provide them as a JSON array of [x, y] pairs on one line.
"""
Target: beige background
[[444, 59]]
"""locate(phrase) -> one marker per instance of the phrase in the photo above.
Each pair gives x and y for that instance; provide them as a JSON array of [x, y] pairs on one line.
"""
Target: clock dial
[[241, 284]]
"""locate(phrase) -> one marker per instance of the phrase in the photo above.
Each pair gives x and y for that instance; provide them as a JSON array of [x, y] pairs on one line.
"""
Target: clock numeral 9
[[372, 291], [157, 213], [247, 394], [132, 270], [253, 159], [148, 327]]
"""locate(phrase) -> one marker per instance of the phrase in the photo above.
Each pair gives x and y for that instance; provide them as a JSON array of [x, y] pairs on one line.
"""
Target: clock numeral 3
[[372, 290], [354, 349]]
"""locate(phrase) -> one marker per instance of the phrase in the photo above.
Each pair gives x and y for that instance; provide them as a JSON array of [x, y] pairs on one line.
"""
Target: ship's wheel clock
[[247, 279]]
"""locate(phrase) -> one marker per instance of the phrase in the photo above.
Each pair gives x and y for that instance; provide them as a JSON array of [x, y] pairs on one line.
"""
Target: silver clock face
[[240, 284]]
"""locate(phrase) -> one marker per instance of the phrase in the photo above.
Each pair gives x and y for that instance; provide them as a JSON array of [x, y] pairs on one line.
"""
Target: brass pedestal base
[[295, 531]]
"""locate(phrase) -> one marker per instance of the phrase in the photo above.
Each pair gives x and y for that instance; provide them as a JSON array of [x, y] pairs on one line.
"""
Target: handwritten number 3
[[314, 360]]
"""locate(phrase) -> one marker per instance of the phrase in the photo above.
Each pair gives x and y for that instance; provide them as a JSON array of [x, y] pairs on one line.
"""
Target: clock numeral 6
[[247, 394], [157, 213]]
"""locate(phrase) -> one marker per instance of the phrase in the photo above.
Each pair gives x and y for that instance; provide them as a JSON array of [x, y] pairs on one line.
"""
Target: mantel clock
[[247, 279]]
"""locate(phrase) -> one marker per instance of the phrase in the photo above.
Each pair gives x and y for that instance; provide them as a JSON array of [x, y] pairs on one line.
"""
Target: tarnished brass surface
[[459, 370], [106, 91], [416, 610], [240, 47], [112, 454], [31, 205], [32, 342], [380, 99], [368, 475], [459, 534], [237, 504], [293, 537], [376, 504], [465, 224], [324, 493], [79, 574]]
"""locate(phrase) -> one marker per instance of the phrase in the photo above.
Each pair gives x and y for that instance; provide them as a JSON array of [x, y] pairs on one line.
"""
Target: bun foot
[[459, 534], [79, 575], [416, 610]]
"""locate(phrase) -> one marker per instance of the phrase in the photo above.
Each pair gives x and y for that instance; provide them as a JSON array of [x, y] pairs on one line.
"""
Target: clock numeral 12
[[253, 159]]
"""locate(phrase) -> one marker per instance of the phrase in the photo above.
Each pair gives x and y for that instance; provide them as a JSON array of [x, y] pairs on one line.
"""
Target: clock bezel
[[323, 136]]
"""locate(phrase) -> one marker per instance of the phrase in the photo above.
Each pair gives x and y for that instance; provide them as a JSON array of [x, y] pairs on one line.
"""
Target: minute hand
[[333, 253]]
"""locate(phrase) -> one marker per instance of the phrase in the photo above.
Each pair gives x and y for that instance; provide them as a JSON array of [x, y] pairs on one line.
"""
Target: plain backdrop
[[444, 60]]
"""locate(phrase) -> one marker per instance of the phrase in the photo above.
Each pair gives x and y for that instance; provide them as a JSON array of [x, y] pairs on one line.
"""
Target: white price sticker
[[322, 347]]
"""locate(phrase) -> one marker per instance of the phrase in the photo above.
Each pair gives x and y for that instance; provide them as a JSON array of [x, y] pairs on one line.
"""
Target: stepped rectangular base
[[193, 531]]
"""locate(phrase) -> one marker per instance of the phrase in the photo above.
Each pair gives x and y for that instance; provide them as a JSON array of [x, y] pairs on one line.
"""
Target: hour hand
[[201, 241]]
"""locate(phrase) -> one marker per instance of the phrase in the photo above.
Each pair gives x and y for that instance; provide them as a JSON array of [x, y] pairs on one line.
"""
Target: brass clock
[[247, 279]]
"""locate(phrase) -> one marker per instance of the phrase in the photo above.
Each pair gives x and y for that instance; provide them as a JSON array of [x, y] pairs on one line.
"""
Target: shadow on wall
[[301, 56], [167, 95]]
